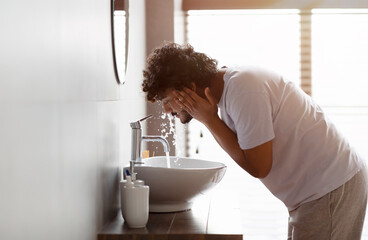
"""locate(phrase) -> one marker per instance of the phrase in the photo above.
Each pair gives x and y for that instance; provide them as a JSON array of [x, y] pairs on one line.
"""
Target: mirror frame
[[120, 4]]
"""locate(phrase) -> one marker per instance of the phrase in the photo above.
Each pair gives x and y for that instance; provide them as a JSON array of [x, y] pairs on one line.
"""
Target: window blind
[[305, 51], [270, 4]]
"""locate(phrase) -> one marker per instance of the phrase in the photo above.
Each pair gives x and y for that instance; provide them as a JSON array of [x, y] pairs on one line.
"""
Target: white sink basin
[[174, 189]]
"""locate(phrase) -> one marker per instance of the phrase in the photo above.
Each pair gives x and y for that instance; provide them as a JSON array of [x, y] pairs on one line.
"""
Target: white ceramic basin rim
[[174, 189], [181, 163]]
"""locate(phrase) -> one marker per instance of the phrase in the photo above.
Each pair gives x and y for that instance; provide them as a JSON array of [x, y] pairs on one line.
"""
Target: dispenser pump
[[129, 183]]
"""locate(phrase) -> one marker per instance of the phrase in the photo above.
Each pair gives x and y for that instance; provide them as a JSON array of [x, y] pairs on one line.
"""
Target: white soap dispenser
[[134, 203]]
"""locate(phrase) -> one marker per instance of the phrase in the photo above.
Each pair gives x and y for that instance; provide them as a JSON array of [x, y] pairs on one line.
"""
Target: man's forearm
[[256, 161], [227, 139]]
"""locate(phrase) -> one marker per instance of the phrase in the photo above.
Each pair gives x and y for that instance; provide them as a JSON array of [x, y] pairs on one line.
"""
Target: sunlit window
[[268, 38], [340, 70], [340, 57]]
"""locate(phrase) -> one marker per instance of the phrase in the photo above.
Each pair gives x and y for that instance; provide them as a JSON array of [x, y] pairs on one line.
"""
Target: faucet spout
[[137, 140], [160, 139]]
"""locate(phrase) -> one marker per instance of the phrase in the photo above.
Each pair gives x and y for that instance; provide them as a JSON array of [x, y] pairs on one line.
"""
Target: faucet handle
[[149, 116], [137, 124]]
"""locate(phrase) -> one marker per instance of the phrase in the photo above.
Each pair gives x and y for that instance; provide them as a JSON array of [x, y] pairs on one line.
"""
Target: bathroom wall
[[160, 28], [64, 121]]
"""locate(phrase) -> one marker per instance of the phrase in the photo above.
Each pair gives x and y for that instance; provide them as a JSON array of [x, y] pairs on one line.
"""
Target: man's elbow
[[263, 173], [260, 173]]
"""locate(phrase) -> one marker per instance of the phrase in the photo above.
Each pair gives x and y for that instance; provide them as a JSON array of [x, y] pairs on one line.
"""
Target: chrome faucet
[[137, 139]]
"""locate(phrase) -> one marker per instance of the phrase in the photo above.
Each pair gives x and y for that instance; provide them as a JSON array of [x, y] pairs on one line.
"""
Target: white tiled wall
[[64, 122]]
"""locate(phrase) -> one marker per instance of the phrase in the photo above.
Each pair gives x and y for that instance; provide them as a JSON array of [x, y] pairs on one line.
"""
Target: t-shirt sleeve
[[251, 112]]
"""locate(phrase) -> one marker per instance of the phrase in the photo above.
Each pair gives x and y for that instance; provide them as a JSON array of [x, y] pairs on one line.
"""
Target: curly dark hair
[[176, 66]]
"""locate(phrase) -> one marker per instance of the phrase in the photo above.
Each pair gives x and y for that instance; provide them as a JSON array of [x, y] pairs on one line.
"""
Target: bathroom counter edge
[[214, 216]]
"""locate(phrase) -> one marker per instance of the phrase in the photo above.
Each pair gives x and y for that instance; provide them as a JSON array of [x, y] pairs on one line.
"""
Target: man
[[271, 129]]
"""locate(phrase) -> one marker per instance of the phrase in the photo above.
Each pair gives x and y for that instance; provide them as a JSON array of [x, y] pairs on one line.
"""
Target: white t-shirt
[[310, 156]]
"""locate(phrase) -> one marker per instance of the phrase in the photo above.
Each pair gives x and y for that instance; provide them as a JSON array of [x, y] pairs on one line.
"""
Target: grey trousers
[[338, 215]]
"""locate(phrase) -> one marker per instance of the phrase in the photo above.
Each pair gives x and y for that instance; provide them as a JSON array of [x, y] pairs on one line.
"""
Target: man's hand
[[256, 161], [204, 110]]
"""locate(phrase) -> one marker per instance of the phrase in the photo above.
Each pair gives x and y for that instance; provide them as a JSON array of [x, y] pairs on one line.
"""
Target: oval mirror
[[119, 30]]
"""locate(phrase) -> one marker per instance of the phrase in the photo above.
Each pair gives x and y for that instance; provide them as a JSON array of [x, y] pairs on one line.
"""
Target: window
[[339, 70], [268, 38]]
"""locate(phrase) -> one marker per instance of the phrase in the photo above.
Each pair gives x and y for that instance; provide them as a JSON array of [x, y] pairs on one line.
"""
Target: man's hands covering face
[[204, 110]]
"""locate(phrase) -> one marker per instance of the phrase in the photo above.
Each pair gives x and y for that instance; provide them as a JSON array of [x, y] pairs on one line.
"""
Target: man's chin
[[185, 118]]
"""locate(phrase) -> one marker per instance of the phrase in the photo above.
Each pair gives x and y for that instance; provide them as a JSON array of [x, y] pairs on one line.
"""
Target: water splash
[[172, 127], [166, 132], [163, 115]]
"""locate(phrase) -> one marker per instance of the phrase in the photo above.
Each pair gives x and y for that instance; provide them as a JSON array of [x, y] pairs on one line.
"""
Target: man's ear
[[198, 90]]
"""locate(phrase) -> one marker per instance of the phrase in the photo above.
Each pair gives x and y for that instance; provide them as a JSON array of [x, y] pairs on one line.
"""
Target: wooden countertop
[[213, 217]]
